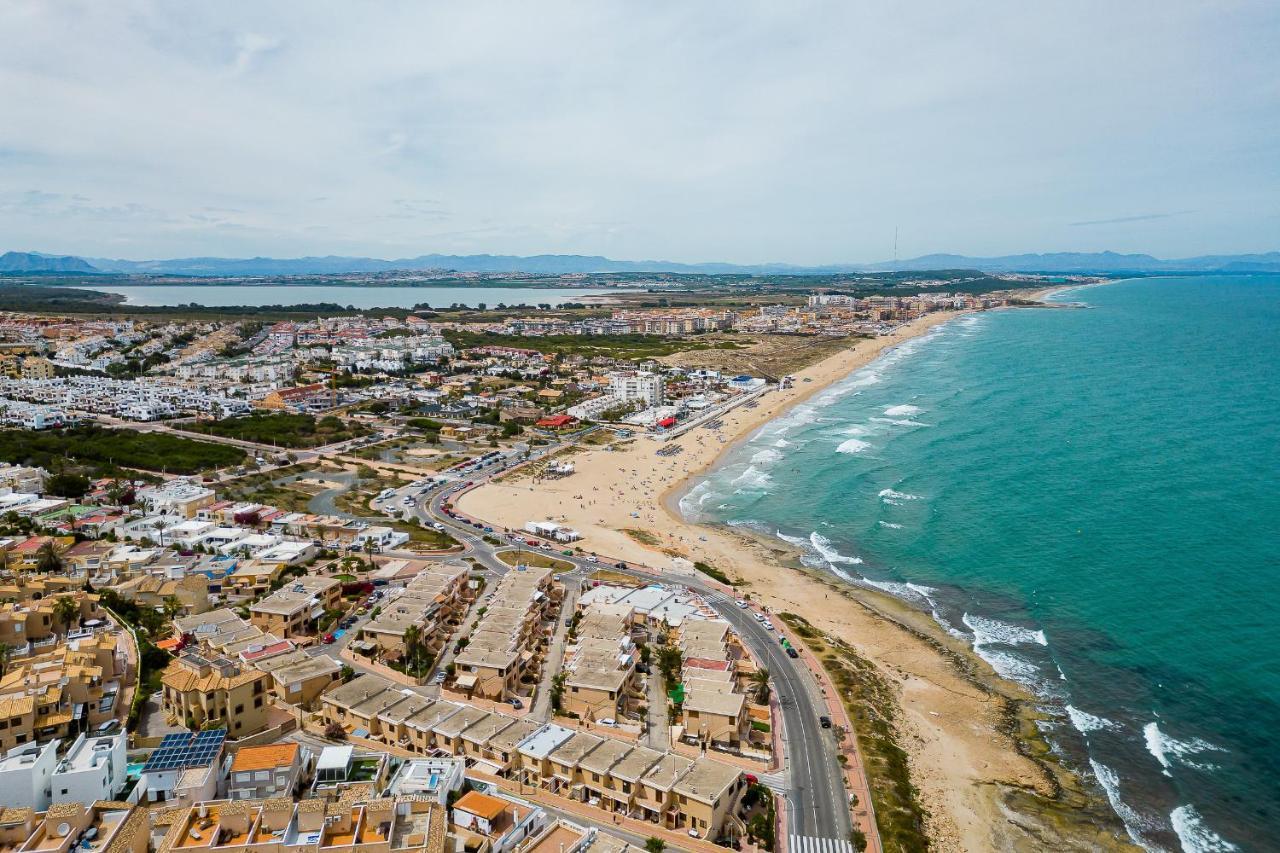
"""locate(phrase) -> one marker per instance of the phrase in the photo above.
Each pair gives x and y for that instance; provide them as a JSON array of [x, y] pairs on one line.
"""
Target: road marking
[[817, 844], [776, 782]]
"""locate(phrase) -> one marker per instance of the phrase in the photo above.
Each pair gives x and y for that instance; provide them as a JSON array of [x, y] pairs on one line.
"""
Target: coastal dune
[[985, 777]]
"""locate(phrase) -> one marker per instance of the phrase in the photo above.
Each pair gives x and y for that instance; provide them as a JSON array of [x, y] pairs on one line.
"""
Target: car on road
[[792, 653], [759, 616], [329, 638], [438, 678], [437, 526], [516, 703], [824, 721], [741, 602], [768, 626]]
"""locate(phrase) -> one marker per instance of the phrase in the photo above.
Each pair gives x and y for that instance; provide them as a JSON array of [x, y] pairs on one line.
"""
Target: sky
[[795, 131]]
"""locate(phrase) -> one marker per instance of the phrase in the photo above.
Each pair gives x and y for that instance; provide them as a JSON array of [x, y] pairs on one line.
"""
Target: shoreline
[[985, 774]]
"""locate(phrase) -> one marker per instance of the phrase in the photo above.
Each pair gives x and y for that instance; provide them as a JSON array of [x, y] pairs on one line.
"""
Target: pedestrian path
[[814, 844]]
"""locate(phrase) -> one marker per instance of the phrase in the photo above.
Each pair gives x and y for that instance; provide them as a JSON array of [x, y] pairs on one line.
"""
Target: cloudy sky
[[736, 131]]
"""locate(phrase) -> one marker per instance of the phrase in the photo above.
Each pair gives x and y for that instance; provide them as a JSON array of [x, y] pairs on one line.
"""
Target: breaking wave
[[1133, 822], [1194, 835], [853, 445], [894, 498], [1085, 722], [1170, 751], [902, 411]]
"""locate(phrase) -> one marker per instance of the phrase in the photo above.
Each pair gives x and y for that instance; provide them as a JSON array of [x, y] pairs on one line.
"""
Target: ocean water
[[372, 296], [1091, 497]]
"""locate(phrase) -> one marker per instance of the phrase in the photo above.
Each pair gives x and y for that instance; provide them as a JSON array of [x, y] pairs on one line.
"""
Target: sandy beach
[[970, 736]]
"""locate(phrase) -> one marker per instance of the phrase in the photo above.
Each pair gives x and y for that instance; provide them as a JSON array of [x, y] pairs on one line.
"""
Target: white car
[[759, 616], [741, 602], [768, 626], [608, 721]]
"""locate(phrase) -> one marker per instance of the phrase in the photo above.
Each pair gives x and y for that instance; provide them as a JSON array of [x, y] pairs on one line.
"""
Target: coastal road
[[817, 801]]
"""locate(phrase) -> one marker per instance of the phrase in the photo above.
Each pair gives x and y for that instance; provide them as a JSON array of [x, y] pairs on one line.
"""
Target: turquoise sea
[[1091, 497]]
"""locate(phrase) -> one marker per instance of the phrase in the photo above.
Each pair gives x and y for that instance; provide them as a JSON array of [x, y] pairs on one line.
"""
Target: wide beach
[[973, 749]]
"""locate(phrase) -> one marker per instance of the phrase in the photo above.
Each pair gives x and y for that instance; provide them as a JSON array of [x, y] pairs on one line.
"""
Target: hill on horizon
[[1057, 262]]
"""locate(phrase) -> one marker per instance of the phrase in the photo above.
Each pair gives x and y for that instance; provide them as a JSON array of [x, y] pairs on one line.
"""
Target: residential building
[[294, 609], [259, 772], [199, 690]]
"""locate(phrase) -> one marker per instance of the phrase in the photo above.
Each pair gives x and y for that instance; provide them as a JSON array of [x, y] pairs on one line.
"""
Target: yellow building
[[198, 691]]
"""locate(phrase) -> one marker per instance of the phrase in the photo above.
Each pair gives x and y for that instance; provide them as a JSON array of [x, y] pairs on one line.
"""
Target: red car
[[328, 639]]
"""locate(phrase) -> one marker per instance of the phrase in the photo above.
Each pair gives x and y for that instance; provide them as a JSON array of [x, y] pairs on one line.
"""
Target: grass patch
[[873, 709], [644, 537], [284, 429], [713, 572], [535, 559]]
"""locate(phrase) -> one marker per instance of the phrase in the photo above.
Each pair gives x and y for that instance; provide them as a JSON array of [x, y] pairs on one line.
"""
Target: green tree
[[654, 845], [760, 685], [67, 485], [66, 610], [48, 560], [173, 607]]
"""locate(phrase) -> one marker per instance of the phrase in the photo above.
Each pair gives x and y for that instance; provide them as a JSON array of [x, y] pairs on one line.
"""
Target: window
[[240, 709], [262, 776], [257, 702]]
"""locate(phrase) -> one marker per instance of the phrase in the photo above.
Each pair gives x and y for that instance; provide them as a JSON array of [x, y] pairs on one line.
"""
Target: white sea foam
[[992, 632], [1194, 835], [1170, 751], [1133, 822], [855, 429], [853, 445], [753, 478], [908, 591], [1086, 722], [902, 411], [900, 422], [799, 541], [895, 498], [782, 442], [891, 525], [988, 632], [822, 545], [1009, 665], [768, 456]]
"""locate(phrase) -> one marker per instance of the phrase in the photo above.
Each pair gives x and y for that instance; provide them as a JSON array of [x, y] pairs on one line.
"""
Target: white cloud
[[799, 132]]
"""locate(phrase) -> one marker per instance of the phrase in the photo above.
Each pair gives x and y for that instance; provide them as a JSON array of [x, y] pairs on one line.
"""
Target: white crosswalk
[[776, 782], [813, 844]]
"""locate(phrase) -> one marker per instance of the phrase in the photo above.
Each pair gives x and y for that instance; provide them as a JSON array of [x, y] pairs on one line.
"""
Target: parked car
[[792, 653], [516, 703], [329, 638], [824, 721], [438, 678]]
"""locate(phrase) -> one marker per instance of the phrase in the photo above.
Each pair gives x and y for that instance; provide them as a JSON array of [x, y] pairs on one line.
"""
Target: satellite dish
[[64, 829]]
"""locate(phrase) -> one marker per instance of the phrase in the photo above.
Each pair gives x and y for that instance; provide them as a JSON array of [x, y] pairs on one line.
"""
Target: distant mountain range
[[1060, 262]]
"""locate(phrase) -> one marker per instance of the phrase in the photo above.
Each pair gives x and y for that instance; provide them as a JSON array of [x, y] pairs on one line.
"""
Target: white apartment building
[[636, 385]]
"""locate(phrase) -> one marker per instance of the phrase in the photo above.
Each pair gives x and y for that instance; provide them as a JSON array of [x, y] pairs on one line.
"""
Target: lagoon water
[[373, 296], [1089, 496]]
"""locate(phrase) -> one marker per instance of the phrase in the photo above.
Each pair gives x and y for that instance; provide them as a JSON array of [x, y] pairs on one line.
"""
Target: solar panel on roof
[[186, 749]]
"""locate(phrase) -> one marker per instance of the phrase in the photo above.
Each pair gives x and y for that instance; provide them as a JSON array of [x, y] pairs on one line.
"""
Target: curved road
[[818, 806]]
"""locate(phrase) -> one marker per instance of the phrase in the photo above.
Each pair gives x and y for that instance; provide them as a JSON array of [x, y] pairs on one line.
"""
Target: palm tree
[[66, 610], [173, 607], [160, 525], [48, 560], [760, 685], [412, 638], [369, 546]]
